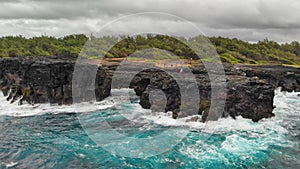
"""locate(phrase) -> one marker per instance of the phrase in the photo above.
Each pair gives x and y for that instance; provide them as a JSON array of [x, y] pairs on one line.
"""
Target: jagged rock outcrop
[[249, 97], [249, 89], [281, 76], [42, 80]]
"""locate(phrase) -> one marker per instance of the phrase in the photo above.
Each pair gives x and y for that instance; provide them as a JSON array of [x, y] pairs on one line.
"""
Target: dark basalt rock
[[249, 89], [43, 80], [281, 76], [153, 79]]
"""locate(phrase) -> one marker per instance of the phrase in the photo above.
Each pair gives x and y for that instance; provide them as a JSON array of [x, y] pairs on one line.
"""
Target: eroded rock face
[[145, 83], [249, 90], [253, 100], [44, 80], [280, 76]]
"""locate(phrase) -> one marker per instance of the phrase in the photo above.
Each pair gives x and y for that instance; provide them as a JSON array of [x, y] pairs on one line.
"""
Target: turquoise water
[[47, 137]]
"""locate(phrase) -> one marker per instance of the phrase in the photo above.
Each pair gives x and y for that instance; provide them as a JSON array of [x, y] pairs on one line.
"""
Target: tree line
[[229, 50]]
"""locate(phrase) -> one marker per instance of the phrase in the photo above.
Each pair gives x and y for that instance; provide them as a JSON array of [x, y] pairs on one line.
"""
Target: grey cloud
[[248, 19], [47, 9]]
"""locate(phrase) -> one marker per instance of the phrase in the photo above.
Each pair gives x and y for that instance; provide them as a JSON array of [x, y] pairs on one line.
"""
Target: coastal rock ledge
[[249, 89]]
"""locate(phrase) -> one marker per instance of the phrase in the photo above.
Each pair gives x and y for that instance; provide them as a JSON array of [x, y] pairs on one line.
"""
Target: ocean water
[[50, 136]]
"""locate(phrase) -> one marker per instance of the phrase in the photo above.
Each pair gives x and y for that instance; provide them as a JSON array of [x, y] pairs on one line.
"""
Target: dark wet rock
[[43, 80], [249, 90], [280, 76]]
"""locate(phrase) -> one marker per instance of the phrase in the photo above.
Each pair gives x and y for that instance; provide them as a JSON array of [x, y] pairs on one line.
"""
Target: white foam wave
[[13, 109], [141, 115], [281, 100], [11, 164]]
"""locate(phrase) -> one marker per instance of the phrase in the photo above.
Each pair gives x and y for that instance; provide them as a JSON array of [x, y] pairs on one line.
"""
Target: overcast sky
[[249, 20]]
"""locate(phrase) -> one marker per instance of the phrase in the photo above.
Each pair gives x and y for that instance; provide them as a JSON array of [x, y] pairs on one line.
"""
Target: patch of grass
[[93, 57], [161, 57], [229, 58]]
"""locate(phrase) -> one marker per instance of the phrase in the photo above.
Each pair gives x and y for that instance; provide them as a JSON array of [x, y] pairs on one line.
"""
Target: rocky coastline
[[249, 89]]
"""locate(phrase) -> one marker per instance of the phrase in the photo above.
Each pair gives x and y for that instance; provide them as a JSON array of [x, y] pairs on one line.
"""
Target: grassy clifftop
[[229, 50], [262, 52]]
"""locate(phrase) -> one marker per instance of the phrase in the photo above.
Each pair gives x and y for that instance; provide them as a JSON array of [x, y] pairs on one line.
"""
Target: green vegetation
[[16, 46], [262, 52], [229, 50]]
